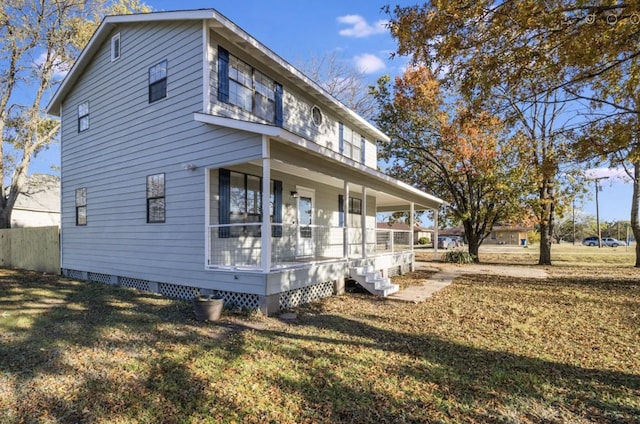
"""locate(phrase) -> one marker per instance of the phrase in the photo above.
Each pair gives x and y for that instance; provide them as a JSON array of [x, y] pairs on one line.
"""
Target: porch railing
[[392, 240], [240, 245]]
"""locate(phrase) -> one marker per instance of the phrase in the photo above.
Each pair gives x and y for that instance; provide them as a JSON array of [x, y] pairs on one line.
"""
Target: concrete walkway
[[446, 273]]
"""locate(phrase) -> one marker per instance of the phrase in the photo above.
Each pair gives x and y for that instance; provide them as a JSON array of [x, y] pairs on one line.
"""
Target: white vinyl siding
[[132, 139]]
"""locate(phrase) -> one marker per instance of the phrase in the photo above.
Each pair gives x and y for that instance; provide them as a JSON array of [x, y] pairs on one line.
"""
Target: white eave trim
[[273, 131]]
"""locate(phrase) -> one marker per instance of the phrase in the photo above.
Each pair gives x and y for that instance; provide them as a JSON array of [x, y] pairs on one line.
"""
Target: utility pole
[[598, 210], [573, 212]]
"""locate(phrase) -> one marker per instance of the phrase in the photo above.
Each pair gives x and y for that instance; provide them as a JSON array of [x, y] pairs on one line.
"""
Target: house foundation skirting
[[267, 304]]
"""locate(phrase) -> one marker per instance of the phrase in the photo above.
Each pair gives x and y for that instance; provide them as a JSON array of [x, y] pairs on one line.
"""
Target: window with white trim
[[155, 199], [83, 116], [240, 202], [81, 206], [246, 87], [115, 47], [158, 81], [350, 143]]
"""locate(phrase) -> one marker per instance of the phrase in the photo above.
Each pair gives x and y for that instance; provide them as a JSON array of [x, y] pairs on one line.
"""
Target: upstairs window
[[350, 144], [115, 47], [155, 199], [81, 206], [83, 116], [158, 81], [316, 116], [241, 85]]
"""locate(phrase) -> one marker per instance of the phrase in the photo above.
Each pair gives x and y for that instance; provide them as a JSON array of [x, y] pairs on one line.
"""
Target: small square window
[[158, 81], [155, 198], [115, 47], [83, 116], [81, 206]]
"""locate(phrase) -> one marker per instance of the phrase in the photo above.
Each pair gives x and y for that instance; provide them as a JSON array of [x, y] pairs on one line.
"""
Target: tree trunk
[[546, 223], [474, 247], [5, 218], [473, 240], [635, 205]]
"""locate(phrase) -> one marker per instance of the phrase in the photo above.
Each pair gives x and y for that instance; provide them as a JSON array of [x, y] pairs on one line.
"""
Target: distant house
[[38, 205], [197, 161], [501, 234], [513, 234], [418, 231]]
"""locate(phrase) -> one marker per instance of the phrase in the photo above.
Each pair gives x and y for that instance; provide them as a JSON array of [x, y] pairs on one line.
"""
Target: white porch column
[[363, 220], [345, 222], [411, 224], [265, 238], [435, 234]]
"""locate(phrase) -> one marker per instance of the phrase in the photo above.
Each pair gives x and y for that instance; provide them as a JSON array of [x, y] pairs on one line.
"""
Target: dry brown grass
[[485, 349]]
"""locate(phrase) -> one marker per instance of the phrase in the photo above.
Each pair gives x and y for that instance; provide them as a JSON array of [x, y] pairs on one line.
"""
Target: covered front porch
[[322, 209]]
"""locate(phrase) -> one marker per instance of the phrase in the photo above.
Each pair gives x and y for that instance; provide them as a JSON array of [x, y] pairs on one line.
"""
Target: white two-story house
[[197, 161]]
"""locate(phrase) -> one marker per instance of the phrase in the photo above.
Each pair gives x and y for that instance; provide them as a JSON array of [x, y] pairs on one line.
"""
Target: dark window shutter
[[341, 135], [224, 202], [362, 144], [223, 75], [277, 209], [279, 117], [340, 210]]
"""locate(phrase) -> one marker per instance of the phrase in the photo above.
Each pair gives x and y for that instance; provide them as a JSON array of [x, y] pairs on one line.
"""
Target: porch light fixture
[[294, 194], [189, 167]]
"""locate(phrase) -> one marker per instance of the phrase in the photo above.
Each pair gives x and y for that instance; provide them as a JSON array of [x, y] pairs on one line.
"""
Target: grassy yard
[[561, 254], [485, 349]]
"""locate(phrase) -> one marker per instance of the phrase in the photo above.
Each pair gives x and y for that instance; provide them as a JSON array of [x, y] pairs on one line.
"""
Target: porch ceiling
[[391, 195]]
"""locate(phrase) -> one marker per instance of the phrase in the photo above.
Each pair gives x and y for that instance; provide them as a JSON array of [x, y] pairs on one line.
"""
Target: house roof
[[237, 35], [504, 228], [41, 193]]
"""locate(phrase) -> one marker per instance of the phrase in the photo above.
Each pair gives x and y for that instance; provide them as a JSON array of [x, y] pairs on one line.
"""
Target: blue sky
[[297, 30]]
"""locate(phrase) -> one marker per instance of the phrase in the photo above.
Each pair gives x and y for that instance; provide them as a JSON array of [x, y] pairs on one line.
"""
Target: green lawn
[[485, 349]]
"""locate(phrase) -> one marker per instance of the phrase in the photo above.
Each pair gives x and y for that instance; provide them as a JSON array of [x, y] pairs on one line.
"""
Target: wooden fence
[[36, 249]]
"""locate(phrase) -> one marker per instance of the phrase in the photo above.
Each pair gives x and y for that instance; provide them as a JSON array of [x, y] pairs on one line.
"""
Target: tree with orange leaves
[[463, 156]]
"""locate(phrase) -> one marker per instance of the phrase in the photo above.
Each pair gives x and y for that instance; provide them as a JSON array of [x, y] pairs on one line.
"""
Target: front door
[[306, 232]]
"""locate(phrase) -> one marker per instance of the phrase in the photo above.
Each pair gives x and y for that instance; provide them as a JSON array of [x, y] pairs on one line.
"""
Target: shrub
[[424, 240], [459, 257]]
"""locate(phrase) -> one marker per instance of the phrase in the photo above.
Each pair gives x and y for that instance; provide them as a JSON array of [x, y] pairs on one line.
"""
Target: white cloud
[[359, 27], [614, 174], [60, 69], [369, 63]]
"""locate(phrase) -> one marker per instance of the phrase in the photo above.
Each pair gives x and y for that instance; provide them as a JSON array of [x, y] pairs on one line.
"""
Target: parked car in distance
[[446, 242], [606, 241], [611, 242], [590, 241]]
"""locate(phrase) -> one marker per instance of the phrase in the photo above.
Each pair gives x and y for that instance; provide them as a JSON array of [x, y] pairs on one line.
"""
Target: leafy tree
[[582, 53], [39, 40], [605, 71], [463, 156]]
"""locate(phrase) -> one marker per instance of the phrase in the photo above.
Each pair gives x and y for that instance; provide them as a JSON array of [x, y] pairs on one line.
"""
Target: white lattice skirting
[[177, 291], [304, 295]]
